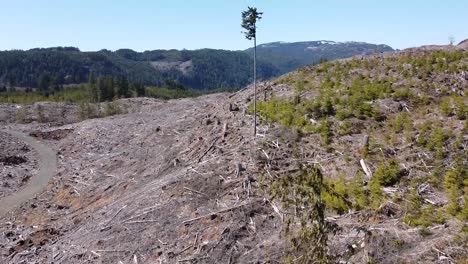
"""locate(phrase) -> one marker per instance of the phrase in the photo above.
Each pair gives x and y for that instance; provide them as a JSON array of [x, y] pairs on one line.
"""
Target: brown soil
[[57, 134], [159, 185], [18, 163]]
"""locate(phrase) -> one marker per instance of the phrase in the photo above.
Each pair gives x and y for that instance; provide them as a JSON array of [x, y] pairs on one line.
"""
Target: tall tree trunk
[[255, 85]]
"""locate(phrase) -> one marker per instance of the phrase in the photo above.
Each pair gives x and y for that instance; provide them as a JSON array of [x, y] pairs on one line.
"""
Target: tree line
[[207, 69], [107, 88]]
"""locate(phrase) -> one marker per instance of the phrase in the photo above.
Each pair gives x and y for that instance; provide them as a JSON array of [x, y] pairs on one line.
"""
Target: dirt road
[[47, 168]]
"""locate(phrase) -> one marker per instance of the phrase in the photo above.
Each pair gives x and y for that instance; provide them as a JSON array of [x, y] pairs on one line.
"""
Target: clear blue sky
[[193, 24]]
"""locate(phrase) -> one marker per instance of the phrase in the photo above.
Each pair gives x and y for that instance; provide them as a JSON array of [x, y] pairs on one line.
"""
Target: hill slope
[[183, 181]]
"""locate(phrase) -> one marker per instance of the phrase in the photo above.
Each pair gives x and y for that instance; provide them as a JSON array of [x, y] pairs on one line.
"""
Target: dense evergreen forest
[[204, 69], [200, 69], [97, 89]]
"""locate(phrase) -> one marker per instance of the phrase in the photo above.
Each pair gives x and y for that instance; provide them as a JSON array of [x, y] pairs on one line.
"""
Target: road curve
[[38, 182]]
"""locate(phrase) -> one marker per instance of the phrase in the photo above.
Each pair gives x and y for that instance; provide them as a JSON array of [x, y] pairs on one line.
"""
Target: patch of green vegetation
[[334, 95], [375, 193], [456, 185], [344, 128], [461, 109], [325, 131], [402, 122], [358, 193], [210, 68], [433, 137], [418, 215], [436, 61], [167, 94], [387, 173], [402, 94], [335, 195], [87, 111], [72, 95], [281, 111], [445, 107], [113, 108], [341, 195]]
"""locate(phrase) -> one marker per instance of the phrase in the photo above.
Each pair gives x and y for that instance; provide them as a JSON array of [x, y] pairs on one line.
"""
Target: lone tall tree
[[249, 21]]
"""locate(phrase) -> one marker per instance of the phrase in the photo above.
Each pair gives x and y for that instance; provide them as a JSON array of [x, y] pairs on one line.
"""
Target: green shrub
[[167, 93], [424, 133], [324, 128], [415, 214], [341, 196], [334, 195], [375, 191], [461, 108], [433, 137], [345, 128], [342, 113], [402, 122], [445, 107], [387, 173], [436, 142], [362, 109], [73, 94], [464, 210], [300, 85], [358, 193], [112, 108], [403, 94], [453, 182], [87, 111]]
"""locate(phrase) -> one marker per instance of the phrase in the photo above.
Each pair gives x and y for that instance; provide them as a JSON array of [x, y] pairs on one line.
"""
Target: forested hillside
[[200, 69], [204, 69], [289, 56]]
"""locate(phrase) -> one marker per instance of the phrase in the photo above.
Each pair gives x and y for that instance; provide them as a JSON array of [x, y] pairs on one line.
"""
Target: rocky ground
[[18, 163]]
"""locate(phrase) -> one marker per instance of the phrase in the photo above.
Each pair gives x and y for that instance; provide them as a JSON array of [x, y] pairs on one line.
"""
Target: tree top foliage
[[249, 20]]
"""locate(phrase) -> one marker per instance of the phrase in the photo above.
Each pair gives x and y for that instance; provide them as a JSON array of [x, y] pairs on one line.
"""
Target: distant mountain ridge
[[287, 56], [203, 69]]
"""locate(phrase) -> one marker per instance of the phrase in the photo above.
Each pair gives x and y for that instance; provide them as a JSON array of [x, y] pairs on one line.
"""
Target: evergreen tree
[[139, 89], [55, 83], [123, 89], [110, 86], [12, 80], [106, 88], [249, 23], [102, 89], [93, 88], [44, 83]]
